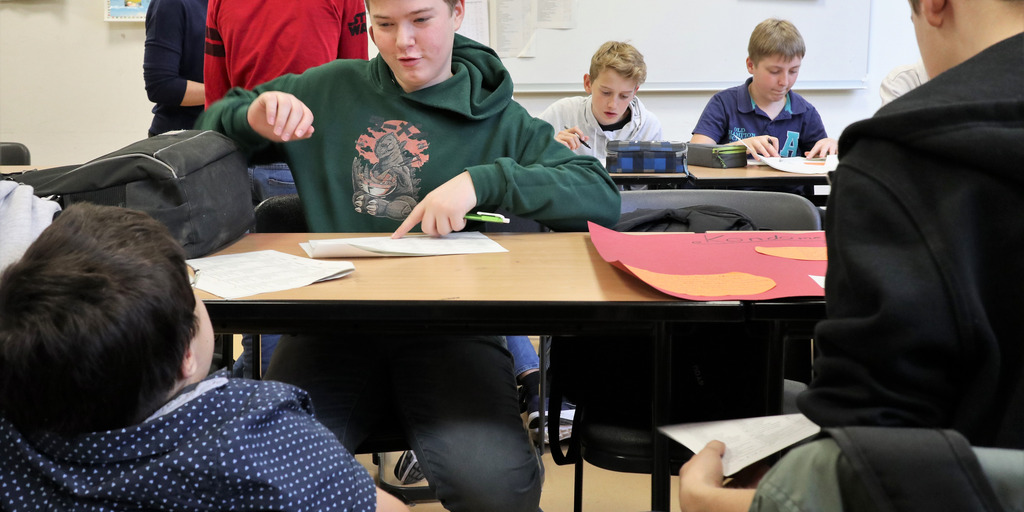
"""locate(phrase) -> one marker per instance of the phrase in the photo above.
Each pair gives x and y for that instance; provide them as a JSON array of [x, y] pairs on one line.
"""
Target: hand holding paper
[[747, 440]]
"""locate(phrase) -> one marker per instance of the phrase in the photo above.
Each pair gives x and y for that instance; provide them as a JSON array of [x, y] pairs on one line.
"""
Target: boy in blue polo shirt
[[764, 113]]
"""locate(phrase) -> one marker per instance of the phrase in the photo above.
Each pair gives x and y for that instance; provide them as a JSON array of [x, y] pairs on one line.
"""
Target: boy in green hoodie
[[421, 135]]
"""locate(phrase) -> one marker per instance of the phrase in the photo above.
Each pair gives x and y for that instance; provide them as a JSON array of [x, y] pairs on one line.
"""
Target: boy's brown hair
[[622, 58], [775, 37], [95, 319]]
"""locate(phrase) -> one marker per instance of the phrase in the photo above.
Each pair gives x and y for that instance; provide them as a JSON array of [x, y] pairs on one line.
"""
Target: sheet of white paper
[[557, 14], [801, 165], [476, 22], [470, 242], [819, 279], [251, 273], [512, 26], [747, 440]]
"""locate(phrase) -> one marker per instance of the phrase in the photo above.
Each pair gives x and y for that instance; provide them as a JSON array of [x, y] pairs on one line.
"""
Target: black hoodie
[[925, 285]]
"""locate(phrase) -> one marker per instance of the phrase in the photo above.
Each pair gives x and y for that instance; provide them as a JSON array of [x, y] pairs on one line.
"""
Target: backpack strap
[[910, 469]]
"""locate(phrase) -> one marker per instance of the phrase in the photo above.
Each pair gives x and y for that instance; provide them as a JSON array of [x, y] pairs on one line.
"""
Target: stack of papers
[[801, 165], [251, 273], [747, 440], [471, 242]]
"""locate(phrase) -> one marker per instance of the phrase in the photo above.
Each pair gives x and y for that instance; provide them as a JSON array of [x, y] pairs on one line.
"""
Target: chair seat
[[622, 448]]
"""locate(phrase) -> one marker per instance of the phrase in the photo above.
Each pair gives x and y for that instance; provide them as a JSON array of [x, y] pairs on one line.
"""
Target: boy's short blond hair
[[622, 58], [775, 37], [451, 4]]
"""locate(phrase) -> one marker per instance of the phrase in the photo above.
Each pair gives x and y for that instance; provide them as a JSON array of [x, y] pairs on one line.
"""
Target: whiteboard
[[698, 45]]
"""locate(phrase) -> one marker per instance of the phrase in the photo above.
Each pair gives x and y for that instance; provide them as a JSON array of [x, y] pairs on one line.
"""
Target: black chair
[[14, 153], [285, 214], [603, 437], [281, 214], [768, 210]]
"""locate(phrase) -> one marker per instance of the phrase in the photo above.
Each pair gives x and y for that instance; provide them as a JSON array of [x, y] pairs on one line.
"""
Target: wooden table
[[547, 283], [11, 169]]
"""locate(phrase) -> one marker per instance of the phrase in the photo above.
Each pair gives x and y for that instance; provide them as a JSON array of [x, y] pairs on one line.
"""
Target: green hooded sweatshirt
[[378, 150]]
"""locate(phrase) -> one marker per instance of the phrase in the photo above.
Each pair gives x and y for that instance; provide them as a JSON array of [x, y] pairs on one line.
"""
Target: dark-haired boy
[[105, 402]]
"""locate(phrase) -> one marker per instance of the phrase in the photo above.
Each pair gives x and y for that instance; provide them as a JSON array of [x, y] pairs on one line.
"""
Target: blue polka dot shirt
[[236, 445]]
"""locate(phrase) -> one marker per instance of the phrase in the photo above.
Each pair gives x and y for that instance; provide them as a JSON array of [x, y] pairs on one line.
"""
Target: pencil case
[[640, 156], [720, 156]]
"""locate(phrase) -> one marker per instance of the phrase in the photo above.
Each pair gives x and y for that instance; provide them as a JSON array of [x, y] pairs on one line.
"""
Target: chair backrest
[[14, 153], [768, 210], [281, 214]]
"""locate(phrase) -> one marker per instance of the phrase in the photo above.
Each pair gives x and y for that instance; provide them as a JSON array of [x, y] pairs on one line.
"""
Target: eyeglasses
[[193, 275]]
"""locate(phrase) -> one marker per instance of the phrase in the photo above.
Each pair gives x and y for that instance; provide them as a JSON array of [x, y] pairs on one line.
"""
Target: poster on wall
[[126, 10]]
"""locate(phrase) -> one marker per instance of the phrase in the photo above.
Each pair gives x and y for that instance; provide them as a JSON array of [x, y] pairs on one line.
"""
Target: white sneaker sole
[[565, 418]]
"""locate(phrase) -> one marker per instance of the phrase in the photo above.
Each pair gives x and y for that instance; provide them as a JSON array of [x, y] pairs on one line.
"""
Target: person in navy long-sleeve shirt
[[173, 63]]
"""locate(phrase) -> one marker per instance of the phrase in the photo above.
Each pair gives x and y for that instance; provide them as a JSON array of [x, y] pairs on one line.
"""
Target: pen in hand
[[578, 136], [487, 217]]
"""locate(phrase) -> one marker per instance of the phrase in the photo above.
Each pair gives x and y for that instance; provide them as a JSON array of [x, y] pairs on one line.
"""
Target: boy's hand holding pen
[[572, 138]]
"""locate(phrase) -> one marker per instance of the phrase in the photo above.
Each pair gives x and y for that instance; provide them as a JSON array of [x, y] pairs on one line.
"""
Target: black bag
[[910, 469], [718, 156], [693, 219], [195, 182]]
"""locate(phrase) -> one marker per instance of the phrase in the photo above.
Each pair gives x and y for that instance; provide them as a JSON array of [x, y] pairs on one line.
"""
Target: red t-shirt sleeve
[[353, 41], [215, 71]]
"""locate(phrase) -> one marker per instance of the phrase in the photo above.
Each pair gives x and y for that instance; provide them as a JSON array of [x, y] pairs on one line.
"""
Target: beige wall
[[71, 83]]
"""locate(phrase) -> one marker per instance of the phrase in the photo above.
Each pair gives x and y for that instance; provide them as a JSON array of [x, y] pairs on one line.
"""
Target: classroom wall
[[71, 83]]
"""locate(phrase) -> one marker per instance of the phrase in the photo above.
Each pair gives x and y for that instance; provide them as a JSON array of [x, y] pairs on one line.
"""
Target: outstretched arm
[[280, 117]]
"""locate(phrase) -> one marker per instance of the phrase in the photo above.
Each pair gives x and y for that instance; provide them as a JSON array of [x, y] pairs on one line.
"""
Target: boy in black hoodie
[[925, 241]]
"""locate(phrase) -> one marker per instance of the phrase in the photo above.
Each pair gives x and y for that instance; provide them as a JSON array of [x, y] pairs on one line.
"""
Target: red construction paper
[[676, 262]]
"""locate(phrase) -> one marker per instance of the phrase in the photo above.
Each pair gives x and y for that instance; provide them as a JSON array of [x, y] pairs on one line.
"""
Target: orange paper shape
[[796, 253], [706, 285]]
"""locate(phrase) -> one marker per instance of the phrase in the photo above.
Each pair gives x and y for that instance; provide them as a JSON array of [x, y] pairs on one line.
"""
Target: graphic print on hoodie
[[388, 157]]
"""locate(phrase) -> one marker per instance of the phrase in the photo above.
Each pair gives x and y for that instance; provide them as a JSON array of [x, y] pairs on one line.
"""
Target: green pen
[[487, 217]]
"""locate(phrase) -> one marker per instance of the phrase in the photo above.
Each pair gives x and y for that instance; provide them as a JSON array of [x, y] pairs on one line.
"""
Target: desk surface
[[10, 169], [544, 280], [551, 283], [714, 177]]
